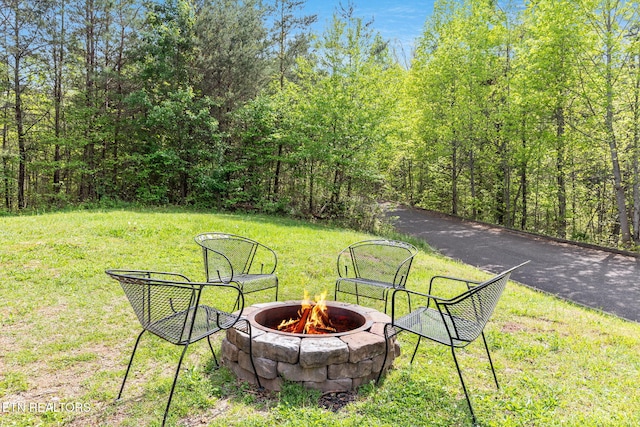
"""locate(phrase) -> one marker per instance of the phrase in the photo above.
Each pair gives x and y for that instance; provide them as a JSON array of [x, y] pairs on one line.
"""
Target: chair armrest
[[439, 278], [408, 293], [213, 258], [345, 260], [265, 257], [236, 295], [402, 272], [169, 276], [160, 275]]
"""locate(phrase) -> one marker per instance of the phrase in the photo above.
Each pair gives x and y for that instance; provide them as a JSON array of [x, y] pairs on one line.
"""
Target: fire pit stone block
[[297, 373], [341, 385], [266, 368], [350, 370], [323, 352], [364, 345], [277, 347], [378, 316], [241, 339], [229, 351]]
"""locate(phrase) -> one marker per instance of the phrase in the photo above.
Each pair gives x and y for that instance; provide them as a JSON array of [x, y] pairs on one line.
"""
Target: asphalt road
[[596, 278]]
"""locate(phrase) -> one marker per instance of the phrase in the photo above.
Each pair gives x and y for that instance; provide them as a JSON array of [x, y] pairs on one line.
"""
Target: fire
[[313, 317]]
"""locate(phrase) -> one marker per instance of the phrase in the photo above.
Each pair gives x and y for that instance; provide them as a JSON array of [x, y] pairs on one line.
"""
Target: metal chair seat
[[430, 323], [368, 288], [208, 320], [253, 282]]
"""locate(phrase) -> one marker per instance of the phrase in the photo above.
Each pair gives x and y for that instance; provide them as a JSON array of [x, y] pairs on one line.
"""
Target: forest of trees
[[521, 113]]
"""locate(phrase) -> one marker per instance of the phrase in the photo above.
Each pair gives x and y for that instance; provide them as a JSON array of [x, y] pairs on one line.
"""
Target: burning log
[[300, 325], [313, 318]]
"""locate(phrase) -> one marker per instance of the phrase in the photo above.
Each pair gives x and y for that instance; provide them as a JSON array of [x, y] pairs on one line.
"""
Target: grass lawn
[[67, 331]]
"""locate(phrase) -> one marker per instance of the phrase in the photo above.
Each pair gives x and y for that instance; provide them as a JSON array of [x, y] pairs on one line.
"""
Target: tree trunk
[[311, 189], [625, 231], [472, 184], [276, 178], [454, 178], [636, 153], [58, 59], [87, 184], [19, 115], [523, 184], [5, 160], [561, 229]]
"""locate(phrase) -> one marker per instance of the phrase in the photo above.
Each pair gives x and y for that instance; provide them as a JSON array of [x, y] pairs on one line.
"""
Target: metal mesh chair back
[[466, 315], [167, 305], [162, 308], [226, 255], [371, 268], [379, 260], [230, 258]]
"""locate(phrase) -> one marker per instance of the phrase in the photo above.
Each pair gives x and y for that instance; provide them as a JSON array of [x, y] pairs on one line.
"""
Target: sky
[[401, 22]]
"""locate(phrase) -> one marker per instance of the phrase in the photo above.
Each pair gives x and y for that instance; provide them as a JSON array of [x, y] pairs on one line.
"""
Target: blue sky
[[398, 21]]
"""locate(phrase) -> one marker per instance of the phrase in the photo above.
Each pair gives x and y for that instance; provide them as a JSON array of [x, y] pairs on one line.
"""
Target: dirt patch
[[205, 418], [512, 327], [49, 383], [335, 401]]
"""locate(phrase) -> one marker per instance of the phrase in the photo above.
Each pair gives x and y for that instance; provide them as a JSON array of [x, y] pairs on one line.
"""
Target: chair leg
[[464, 388], [416, 349], [213, 352], [386, 349], [173, 386], [255, 371], [236, 306], [135, 347], [490, 362]]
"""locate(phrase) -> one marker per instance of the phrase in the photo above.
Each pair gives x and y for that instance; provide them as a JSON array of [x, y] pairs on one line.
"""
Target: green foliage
[[232, 62], [340, 144], [524, 116]]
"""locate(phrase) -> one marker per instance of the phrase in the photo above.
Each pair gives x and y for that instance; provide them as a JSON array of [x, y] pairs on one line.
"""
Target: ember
[[313, 318]]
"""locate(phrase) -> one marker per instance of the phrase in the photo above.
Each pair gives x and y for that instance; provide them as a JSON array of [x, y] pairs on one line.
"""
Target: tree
[[459, 80], [290, 46], [634, 103], [172, 124], [602, 65], [341, 140], [549, 71], [22, 21], [233, 54]]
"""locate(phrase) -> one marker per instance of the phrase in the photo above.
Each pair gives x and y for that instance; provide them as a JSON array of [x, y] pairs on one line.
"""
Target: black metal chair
[[372, 268], [168, 306], [455, 322], [229, 258]]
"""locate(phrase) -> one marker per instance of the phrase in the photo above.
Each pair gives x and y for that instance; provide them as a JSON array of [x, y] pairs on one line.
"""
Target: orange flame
[[313, 317]]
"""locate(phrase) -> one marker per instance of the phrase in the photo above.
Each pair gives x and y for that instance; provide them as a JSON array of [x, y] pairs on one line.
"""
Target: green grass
[[67, 331]]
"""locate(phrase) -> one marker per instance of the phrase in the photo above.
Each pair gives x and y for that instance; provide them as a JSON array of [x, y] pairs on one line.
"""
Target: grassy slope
[[67, 332]]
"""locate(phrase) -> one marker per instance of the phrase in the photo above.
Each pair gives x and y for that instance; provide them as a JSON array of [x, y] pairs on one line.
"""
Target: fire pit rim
[[368, 320]]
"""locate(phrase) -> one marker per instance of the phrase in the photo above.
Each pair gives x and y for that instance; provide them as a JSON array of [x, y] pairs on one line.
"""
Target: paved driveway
[[596, 278]]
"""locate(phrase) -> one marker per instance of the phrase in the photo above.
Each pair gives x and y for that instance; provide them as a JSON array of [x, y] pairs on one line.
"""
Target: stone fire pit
[[335, 362]]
